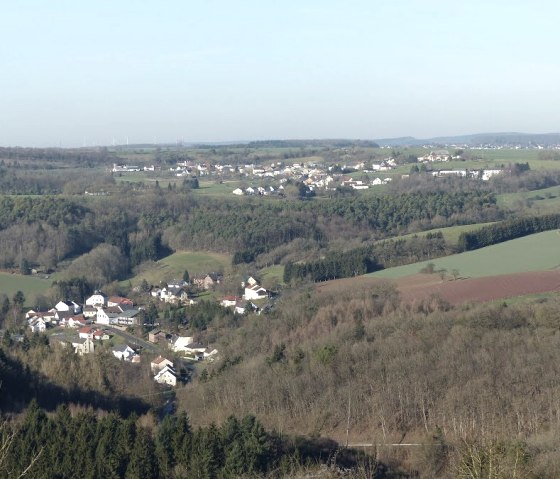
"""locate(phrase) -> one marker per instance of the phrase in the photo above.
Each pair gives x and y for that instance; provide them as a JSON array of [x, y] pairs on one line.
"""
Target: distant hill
[[489, 139], [333, 143]]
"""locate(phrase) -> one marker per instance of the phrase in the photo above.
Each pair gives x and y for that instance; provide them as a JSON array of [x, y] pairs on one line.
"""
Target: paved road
[[133, 340]]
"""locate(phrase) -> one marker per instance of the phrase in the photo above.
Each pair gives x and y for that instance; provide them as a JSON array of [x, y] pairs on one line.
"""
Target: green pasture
[[273, 274], [30, 286], [532, 253], [214, 188], [545, 199], [450, 234], [173, 266]]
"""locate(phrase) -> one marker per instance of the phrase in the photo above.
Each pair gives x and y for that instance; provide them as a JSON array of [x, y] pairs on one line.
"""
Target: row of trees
[[367, 259], [507, 230]]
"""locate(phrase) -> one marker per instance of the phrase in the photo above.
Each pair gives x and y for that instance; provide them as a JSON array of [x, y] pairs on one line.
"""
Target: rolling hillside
[[531, 253]]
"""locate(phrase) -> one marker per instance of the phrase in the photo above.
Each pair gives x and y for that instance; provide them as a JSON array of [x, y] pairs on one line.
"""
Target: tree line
[[367, 259], [507, 230]]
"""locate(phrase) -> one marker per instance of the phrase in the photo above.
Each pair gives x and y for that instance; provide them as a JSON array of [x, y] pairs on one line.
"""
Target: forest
[[471, 387]]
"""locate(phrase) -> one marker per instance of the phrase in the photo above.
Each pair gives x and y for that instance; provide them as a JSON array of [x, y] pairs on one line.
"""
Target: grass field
[[545, 199], [531, 253], [173, 266], [30, 286], [273, 274], [450, 234]]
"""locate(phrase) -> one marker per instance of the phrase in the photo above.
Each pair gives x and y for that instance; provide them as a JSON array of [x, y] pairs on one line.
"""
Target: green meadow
[[173, 266], [531, 253], [545, 199], [450, 234], [30, 286]]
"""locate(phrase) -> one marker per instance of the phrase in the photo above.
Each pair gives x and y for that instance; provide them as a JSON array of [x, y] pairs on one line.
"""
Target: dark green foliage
[[78, 288], [507, 230], [87, 446], [146, 249], [367, 259]]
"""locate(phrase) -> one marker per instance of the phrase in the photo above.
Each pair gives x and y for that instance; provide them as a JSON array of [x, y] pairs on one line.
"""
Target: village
[[270, 179], [110, 323]]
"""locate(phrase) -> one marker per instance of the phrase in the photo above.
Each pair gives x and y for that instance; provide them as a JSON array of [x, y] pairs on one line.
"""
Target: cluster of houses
[[99, 310], [177, 291], [185, 346], [252, 291], [436, 155], [362, 185], [483, 175]]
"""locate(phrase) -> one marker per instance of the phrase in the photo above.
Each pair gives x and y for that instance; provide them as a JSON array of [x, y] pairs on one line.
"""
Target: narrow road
[[133, 340]]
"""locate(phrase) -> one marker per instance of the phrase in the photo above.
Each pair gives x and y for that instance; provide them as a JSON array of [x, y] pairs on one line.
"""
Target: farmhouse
[[37, 325], [124, 352], [166, 376], [179, 343], [255, 292], [159, 363], [96, 299], [83, 346]]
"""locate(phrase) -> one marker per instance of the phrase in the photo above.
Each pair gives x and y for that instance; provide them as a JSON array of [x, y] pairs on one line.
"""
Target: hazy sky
[[209, 70]]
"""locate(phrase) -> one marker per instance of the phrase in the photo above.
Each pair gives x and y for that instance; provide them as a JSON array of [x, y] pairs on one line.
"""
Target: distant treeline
[[313, 143], [507, 230], [368, 259], [83, 156]]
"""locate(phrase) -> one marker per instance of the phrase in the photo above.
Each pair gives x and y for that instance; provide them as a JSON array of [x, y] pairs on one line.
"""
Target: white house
[[101, 335], [229, 301], [77, 321], [124, 352], [487, 174], [107, 316], [210, 353], [96, 299], [159, 363], [255, 292], [86, 332], [68, 306], [180, 343], [166, 376], [37, 325], [83, 346], [119, 301]]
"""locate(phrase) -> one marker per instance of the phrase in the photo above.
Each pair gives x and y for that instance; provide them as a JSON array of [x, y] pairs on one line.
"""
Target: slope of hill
[[531, 253]]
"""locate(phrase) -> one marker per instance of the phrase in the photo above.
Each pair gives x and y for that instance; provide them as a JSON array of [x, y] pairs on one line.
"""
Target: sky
[[75, 73]]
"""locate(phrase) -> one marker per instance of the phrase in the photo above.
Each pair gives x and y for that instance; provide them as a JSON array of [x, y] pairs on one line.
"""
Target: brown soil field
[[422, 286]]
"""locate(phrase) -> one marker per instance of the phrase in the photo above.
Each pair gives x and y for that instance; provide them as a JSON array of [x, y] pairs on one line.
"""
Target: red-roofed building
[[119, 301]]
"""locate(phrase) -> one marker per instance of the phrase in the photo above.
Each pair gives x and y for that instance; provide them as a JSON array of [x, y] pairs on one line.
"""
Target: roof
[[119, 299], [160, 359], [86, 329], [166, 369], [121, 348], [79, 340]]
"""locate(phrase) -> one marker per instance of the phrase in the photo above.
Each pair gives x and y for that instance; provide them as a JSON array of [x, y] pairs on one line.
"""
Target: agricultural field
[[531, 253], [538, 200], [173, 266], [30, 286], [450, 234]]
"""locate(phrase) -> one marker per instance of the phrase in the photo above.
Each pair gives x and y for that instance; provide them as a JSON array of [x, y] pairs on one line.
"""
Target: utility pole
[[348, 422]]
